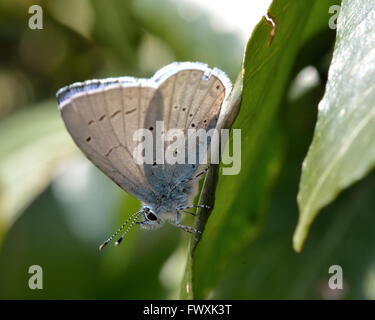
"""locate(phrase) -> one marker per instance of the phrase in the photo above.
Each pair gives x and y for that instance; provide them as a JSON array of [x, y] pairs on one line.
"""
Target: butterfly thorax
[[166, 205]]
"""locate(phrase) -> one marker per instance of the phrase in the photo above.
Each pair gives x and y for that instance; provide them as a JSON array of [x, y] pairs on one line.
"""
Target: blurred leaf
[[89, 199], [75, 269], [78, 15], [32, 140], [241, 200], [318, 37], [193, 38], [116, 28], [319, 23], [343, 148], [41, 236]]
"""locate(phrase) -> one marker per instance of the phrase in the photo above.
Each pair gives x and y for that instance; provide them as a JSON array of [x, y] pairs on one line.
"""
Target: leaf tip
[[299, 237]]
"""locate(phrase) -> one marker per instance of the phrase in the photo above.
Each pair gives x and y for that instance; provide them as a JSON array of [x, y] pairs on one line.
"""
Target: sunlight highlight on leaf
[[343, 148], [31, 143]]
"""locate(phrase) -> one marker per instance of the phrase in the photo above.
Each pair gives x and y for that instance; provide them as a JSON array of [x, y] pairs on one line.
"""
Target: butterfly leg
[[189, 212], [183, 209], [204, 171], [183, 227], [204, 206], [194, 177]]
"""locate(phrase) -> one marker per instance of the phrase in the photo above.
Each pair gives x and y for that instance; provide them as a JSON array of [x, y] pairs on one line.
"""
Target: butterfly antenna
[[126, 231], [104, 244]]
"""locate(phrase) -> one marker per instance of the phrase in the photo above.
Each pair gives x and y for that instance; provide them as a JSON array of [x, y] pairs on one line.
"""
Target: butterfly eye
[[151, 216]]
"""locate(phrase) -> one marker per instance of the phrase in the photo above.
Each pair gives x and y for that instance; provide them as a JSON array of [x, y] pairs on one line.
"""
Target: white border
[[155, 81]]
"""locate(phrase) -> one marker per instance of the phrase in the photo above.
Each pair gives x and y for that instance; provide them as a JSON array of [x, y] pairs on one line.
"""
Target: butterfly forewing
[[84, 138]]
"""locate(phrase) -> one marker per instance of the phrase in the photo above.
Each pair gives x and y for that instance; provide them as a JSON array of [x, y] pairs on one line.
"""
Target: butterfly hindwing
[[192, 100]]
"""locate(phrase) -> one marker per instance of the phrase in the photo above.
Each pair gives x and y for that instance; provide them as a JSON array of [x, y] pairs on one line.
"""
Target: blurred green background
[[56, 208]]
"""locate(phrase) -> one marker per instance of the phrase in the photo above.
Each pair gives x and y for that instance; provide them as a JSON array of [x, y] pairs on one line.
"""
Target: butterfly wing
[[101, 116], [192, 96]]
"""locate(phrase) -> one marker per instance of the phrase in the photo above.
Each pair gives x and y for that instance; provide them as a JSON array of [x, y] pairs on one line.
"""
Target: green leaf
[[241, 200], [270, 269], [343, 148], [32, 141]]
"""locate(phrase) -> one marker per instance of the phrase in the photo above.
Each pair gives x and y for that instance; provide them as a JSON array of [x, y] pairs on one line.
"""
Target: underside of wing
[[102, 122], [103, 115], [192, 96]]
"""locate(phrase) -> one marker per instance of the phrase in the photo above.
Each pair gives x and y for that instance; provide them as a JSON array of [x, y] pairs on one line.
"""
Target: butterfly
[[103, 115]]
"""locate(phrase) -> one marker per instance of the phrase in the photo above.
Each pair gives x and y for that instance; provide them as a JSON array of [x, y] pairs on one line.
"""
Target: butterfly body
[[166, 205]]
